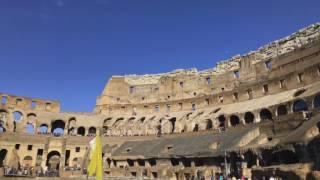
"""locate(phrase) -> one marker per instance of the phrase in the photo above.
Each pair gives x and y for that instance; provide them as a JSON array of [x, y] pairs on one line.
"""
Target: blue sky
[[68, 49]]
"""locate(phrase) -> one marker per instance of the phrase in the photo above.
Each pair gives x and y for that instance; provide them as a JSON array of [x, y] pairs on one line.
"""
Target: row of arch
[[249, 117], [59, 127]]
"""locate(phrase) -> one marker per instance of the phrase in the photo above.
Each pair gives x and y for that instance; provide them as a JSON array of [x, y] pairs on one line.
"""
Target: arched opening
[[118, 121], [107, 121], [316, 101], [76, 162], [3, 116], [209, 124], [43, 129], [81, 131], [285, 157], [72, 126], [265, 114], [105, 129], [131, 119], [173, 124], [17, 116], [130, 162], [222, 121], [174, 162], [53, 160], [2, 129], [234, 120], [2, 126], [92, 131], [299, 92], [3, 154], [31, 117], [196, 128], [300, 105], [30, 128], [27, 161], [141, 162], [282, 110], [249, 117], [142, 119], [109, 162], [57, 127]]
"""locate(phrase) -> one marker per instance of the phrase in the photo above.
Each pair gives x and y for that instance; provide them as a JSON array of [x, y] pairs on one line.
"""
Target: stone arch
[[316, 101], [43, 129], [234, 120], [265, 114], [209, 124], [92, 131], [27, 161], [172, 124], [109, 162], [249, 117], [282, 110], [57, 127], [81, 131], [3, 154], [142, 120], [131, 119], [53, 160], [17, 116], [2, 128], [118, 121], [299, 105], [222, 121], [196, 128], [76, 162], [31, 117], [107, 121], [72, 123], [29, 128], [3, 115], [4, 100], [105, 129]]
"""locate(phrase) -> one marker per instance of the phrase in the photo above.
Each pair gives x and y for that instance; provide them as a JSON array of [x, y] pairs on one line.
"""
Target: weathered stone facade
[[258, 112]]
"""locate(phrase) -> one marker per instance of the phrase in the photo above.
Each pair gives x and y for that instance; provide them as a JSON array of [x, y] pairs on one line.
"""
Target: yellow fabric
[[95, 165]]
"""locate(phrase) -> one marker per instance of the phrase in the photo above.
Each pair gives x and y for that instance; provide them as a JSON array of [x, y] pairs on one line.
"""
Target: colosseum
[[254, 116]]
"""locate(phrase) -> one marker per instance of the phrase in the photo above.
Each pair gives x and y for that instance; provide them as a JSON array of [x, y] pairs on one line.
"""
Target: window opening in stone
[[234, 120], [48, 106], [300, 77], [131, 89], [265, 114], [282, 110], [236, 74], [33, 104], [181, 84], [208, 79], [282, 83], [300, 105], [268, 64], [265, 89], [4, 100], [316, 101], [248, 117], [173, 124], [235, 96]]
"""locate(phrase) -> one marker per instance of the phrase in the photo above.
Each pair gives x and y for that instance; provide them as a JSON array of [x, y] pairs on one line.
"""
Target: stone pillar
[[49, 128], [63, 154], [45, 153]]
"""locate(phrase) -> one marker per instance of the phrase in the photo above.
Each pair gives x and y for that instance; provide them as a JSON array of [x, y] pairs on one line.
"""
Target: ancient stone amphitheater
[[253, 115]]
